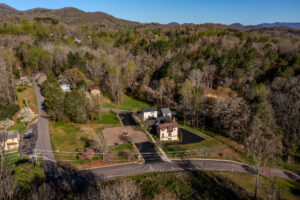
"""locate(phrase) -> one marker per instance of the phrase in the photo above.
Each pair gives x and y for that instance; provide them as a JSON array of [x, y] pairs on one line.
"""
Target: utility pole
[[205, 153]]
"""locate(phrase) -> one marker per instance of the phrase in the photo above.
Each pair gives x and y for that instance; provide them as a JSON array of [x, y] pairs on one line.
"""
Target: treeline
[[241, 84]]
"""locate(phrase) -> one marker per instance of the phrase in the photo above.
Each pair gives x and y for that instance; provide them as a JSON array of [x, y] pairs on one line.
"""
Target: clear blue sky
[[165, 11]]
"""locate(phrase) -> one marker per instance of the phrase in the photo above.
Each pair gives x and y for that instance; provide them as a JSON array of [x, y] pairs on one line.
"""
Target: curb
[[106, 166]]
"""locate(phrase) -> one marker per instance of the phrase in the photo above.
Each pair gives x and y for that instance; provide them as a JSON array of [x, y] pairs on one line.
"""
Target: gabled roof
[[8, 134], [168, 125], [165, 110], [94, 88], [152, 109]]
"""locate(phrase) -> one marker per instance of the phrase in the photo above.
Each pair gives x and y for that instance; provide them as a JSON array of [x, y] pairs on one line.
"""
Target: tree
[[114, 83], [75, 106], [74, 76], [7, 91], [54, 98], [129, 73], [260, 147], [99, 145], [232, 114], [186, 92]]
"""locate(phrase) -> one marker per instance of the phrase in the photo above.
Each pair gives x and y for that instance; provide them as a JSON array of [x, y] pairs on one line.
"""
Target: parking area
[[188, 137], [28, 140], [127, 119]]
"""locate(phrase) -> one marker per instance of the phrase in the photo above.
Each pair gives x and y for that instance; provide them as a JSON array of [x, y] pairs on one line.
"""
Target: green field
[[28, 94], [128, 103], [19, 126], [69, 138], [124, 152], [108, 118]]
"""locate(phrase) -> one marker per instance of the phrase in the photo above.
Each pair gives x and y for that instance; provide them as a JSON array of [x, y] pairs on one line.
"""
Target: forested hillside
[[244, 84]]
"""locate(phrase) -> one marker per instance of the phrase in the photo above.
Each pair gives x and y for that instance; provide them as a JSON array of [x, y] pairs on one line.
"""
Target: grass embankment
[[128, 103], [28, 94], [286, 189], [215, 148], [108, 118], [184, 185], [69, 138]]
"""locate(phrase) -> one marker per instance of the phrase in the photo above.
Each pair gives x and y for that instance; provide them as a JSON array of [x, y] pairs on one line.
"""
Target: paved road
[[43, 145], [114, 172]]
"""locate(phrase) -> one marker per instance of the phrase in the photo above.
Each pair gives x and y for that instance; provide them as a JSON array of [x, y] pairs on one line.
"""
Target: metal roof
[[165, 110], [152, 109]]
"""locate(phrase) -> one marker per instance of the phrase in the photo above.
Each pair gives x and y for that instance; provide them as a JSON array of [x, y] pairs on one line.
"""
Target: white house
[[167, 131], [149, 113], [65, 87]]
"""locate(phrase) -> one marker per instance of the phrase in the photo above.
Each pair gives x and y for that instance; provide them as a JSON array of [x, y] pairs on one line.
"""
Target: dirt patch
[[113, 135]]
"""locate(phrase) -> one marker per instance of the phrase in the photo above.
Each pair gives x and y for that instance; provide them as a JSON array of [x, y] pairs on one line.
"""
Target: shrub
[[6, 124], [27, 114], [9, 111]]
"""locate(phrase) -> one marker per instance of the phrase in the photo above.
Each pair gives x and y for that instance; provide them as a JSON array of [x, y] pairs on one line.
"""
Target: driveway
[[188, 137], [127, 119], [28, 144], [148, 152]]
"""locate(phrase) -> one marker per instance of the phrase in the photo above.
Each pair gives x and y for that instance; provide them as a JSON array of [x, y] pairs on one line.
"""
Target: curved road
[[118, 171], [113, 172]]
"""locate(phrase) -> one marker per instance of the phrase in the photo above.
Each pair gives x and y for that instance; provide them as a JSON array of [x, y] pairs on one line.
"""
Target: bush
[[6, 124], [9, 111], [26, 114]]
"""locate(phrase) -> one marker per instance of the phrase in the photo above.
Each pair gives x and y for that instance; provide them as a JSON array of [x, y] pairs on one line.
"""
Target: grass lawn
[[19, 126], [215, 148], [128, 103], [288, 189], [124, 152], [28, 94], [108, 118], [69, 138]]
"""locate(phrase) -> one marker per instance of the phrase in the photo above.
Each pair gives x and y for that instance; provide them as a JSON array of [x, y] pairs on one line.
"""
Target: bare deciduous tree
[[100, 145]]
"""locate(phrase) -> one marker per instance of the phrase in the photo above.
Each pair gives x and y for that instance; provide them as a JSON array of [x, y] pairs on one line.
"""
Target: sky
[[247, 12]]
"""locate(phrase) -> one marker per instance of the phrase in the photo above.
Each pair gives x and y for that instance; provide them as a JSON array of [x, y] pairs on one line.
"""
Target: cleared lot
[[113, 136]]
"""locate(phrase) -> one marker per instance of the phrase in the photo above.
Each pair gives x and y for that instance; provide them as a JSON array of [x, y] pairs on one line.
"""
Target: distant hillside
[[6, 8], [67, 15], [267, 25]]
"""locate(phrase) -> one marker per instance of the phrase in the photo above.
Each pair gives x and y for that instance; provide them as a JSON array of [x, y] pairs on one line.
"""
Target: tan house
[[167, 131], [10, 140], [95, 91]]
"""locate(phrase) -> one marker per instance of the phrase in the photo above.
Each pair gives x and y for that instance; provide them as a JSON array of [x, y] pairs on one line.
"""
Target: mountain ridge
[[74, 15]]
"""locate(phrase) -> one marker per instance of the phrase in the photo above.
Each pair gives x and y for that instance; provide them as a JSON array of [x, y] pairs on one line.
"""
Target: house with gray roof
[[149, 113], [166, 113]]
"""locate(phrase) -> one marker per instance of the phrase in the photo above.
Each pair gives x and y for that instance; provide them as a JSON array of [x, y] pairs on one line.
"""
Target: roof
[[9, 134], [152, 109], [168, 125], [94, 88], [165, 110]]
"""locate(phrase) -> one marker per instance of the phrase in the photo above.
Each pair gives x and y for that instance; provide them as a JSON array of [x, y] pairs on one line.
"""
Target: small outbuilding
[[95, 91], [166, 113], [65, 87], [149, 113]]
